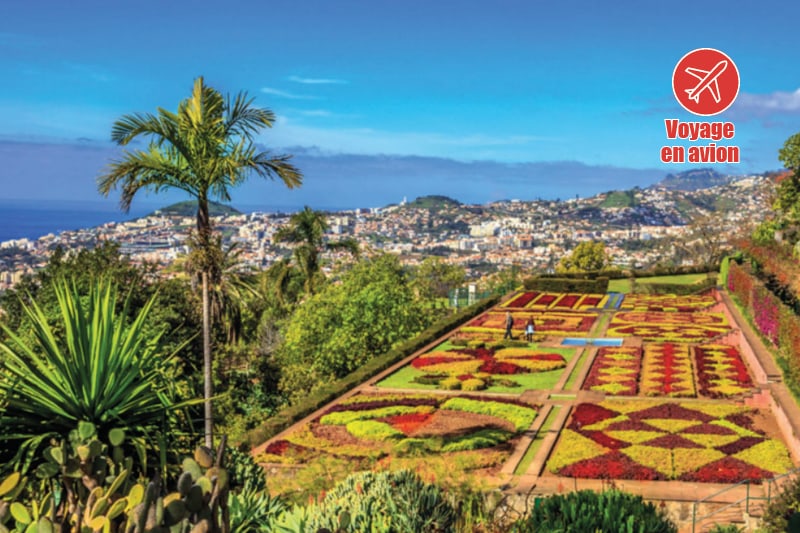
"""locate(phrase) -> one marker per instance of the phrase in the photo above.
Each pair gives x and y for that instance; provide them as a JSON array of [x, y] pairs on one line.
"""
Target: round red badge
[[705, 81]]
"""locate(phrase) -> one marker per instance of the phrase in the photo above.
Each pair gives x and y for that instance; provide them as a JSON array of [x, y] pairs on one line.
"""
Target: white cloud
[[316, 113], [373, 141], [286, 94], [758, 105], [316, 81]]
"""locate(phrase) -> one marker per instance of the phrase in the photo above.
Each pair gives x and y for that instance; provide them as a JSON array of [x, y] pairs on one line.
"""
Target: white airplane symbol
[[708, 80]]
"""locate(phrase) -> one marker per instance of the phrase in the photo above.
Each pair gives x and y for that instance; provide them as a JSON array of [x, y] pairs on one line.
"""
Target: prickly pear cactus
[[91, 493]]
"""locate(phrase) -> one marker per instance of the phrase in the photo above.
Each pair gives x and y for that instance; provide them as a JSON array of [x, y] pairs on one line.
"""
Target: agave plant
[[92, 366]]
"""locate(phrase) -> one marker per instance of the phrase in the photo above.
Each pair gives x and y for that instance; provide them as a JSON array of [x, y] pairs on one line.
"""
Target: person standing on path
[[529, 330], [509, 325]]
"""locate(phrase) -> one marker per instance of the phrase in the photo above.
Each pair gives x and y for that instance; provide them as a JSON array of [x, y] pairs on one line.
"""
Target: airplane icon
[[708, 80]]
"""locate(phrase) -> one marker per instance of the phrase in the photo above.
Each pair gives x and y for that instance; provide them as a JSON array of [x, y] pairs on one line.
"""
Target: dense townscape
[[640, 228]]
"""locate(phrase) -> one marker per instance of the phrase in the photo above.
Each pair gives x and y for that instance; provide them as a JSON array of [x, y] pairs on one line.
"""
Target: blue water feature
[[614, 300], [576, 341]]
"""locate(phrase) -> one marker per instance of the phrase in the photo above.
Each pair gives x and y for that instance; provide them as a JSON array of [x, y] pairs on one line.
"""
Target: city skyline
[[482, 101]]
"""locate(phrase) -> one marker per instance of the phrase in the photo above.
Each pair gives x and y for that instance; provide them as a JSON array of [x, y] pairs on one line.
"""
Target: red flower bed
[[522, 300], [489, 363], [667, 370], [278, 447], [408, 423], [591, 301], [605, 440], [727, 470], [721, 371], [614, 465], [604, 375], [587, 414], [670, 410], [740, 445], [546, 299], [568, 301]]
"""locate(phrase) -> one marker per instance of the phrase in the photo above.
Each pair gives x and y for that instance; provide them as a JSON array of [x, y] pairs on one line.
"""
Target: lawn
[[624, 285], [404, 378]]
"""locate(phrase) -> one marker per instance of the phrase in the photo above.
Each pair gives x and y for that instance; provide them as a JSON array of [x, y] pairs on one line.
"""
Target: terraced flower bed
[[377, 425], [615, 371], [666, 303], [667, 371], [495, 367], [669, 327], [533, 300], [721, 371], [646, 440], [562, 324]]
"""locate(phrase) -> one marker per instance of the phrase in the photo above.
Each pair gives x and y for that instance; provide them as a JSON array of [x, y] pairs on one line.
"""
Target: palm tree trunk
[[208, 389]]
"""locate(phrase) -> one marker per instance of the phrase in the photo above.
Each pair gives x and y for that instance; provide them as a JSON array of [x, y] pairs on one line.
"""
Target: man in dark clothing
[[509, 325]]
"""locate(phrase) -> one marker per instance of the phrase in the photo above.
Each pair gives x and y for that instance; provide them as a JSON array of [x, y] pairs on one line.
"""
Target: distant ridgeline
[[696, 179], [189, 209], [434, 202]]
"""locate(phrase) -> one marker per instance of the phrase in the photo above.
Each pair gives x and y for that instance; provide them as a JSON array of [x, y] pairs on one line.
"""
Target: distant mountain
[[693, 180], [434, 202], [189, 209]]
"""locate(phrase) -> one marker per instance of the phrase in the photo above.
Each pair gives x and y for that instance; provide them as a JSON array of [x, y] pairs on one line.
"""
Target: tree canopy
[[587, 256]]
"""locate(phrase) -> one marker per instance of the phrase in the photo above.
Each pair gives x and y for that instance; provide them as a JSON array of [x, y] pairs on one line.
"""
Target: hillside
[[695, 179], [189, 209]]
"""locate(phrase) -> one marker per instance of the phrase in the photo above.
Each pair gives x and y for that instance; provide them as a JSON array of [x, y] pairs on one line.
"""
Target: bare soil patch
[[453, 423]]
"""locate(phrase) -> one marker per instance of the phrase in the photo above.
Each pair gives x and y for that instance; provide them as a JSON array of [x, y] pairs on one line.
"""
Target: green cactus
[[91, 492]]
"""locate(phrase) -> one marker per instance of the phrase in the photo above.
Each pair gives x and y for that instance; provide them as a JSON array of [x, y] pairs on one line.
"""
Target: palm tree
[[204, 149], [306, 228]]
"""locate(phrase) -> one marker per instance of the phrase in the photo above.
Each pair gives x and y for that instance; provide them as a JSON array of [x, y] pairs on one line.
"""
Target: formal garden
[[667, 401]]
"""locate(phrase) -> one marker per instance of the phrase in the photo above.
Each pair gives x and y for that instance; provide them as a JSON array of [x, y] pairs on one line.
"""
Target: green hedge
[[676, 288], [587, 286], [591, 274], [329, 392], [674, 270]]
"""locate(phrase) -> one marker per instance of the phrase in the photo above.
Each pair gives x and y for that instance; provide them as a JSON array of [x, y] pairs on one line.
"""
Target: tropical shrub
[[584, 511], [106, 372], [253, 512], [783, 512], [392, 502], [86, 490]]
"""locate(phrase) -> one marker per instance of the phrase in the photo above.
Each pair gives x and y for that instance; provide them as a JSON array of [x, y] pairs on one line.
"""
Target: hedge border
[[586, 286], [327, 393]]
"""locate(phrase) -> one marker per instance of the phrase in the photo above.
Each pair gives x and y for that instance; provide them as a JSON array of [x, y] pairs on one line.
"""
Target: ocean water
[[32, 219]]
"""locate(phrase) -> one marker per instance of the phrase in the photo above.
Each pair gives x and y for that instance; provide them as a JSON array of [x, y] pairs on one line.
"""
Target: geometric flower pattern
[[615, 371], [666, 303], [540, 301], [550, 323], [689, 441], [721, 371], [505, 361], [667, 371], [673, 327]]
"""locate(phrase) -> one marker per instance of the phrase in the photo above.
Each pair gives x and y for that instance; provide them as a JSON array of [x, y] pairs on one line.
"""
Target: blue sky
[[509, 82]]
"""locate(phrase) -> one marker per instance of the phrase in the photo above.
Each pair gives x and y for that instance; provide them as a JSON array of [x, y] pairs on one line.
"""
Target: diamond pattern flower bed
[[666, 303], [615, 371], [721, 371], [646, 440], [675, 327], [667, 371]]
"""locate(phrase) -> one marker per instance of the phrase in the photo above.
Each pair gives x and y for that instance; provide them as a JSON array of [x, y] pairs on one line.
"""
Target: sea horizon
[[24, 218]]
